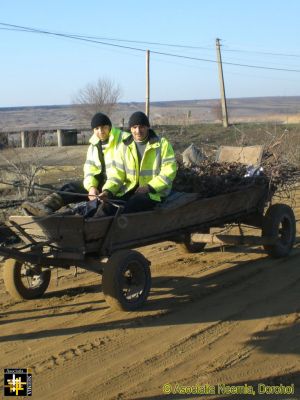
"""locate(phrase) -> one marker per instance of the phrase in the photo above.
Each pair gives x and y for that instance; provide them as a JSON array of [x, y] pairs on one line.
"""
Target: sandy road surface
[[217, 317]]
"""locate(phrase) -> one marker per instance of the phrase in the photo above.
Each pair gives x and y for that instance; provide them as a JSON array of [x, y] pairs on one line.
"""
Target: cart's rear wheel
[[25, 281], [279, 222], [189, 246], [126, 280]]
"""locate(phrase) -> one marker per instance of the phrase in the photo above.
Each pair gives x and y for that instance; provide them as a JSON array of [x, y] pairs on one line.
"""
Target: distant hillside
[[281, 109]]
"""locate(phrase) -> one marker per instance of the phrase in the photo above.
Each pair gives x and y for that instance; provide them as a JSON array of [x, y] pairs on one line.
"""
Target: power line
[[75, 35], [228, 63], [262, 52], [85, 39], [34, 30], [142, 42], [288, 64]]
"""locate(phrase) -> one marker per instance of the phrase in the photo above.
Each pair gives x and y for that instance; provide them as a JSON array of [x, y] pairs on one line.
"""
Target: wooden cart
[[104, 245]]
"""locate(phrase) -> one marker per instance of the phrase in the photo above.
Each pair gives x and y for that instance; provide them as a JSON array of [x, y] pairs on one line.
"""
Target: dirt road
[[215, 318]]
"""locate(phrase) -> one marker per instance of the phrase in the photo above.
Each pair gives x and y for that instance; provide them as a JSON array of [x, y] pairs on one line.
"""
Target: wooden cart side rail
[[66, 231], [173, 234], [203, 211], [21, 232]]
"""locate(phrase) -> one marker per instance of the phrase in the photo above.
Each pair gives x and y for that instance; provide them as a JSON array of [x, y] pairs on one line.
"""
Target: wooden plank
[[65, 231], [249, 155], [141, 225], [96, 228], [137, 226], [20, 232], [233, 239]]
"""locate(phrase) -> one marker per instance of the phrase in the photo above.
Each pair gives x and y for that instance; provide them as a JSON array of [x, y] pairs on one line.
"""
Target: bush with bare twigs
[[101, 96], [22, 172]]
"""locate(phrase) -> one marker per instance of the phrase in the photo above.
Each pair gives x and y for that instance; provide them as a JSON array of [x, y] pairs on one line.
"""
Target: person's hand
[[142, 189], [104, 196], [93, 193]]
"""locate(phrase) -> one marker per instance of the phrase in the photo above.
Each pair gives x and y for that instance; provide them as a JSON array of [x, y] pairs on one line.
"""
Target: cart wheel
[[279, 221], [126, 280], [25, 281], [189, 246]]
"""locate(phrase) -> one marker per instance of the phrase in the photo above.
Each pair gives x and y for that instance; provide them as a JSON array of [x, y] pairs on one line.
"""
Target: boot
[[47, 206]]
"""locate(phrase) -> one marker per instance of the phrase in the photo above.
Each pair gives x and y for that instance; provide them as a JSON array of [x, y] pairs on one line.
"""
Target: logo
[[17, 382]]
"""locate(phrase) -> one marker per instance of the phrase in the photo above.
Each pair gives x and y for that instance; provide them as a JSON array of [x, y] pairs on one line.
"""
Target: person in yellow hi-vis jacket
[[143, 170], [99, 159], [100, 154]]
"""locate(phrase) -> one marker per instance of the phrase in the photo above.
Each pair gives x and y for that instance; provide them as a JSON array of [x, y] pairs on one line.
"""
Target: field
[[251, 110], [222, 317]]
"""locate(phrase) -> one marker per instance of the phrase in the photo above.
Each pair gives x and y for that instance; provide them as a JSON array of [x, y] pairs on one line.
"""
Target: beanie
[[138, 118], [100, 119]]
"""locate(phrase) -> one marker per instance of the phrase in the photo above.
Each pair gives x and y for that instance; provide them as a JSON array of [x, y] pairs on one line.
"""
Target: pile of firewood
[[210, 178], [282, 174]]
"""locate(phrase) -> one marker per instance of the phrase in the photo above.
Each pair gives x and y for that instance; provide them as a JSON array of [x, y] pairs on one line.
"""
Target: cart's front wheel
[[126, 280], [25, 281], [279, 222]]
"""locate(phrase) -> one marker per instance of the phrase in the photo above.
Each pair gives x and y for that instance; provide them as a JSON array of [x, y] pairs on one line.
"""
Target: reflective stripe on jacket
[[157, 168], [92, 166]]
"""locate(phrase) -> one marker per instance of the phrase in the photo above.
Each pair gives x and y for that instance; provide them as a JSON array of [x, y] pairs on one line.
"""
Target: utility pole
[[222, 87], [147, 83]]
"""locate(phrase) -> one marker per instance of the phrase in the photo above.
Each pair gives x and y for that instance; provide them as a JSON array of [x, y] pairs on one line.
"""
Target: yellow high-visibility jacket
[[157, 168], [92, 167]]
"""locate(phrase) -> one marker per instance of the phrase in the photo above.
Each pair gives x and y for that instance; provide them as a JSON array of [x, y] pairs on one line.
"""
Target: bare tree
[[23, 171], [100, 96]]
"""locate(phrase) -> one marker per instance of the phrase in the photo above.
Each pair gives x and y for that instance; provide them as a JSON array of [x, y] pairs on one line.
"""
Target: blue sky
[[40, 69]]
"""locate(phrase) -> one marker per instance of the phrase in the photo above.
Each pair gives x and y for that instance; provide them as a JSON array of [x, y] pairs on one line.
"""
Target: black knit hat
[[100, 119], [138, 118]]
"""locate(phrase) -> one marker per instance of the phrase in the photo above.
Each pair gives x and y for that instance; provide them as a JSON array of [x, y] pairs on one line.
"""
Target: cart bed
[[186, 213]]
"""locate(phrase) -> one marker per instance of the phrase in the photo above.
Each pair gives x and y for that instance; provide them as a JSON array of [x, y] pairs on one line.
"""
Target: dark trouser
[[73, 187], [134, 202], [139, 202], [77, 187]]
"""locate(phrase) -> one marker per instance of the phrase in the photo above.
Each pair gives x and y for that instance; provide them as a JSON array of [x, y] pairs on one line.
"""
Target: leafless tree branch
[[101, 96]]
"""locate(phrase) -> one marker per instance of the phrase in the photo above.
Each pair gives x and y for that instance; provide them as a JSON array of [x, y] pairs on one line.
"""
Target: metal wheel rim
[[133, 282], [31, 277], [285, 231]]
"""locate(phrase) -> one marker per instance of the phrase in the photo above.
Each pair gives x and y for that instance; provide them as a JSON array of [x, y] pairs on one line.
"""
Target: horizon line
[[153, 102]]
